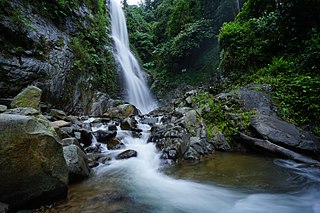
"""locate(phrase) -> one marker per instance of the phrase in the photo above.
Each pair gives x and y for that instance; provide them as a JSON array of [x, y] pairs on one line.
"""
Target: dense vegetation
[[278, 43], [177, 38], [270, 42]]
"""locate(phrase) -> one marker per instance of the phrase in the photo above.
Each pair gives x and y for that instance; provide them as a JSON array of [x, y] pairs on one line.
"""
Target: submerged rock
[[127, 154], [32, 167]]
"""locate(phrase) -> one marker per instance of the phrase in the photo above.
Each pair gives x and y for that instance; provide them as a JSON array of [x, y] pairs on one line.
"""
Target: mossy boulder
[[32, 167], [29, 97], [122, 111]]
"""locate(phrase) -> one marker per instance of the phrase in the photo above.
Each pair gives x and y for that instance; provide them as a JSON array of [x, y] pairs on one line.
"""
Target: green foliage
[[277, 43], [178, 48], [91, 55], [224, 115]]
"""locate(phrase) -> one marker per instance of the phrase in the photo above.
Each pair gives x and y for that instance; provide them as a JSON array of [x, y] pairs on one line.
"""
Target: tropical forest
[[160, 106]]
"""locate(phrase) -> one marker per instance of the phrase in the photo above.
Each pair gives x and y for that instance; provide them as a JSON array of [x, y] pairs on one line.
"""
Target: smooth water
[[223, 182], [137, 91]]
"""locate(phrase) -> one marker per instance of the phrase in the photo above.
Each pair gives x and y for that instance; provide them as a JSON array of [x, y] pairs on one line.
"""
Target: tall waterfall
[[137, 91]]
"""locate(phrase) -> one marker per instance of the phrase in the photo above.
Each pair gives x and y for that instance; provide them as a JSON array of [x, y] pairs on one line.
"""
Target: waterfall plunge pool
[[222, 182]]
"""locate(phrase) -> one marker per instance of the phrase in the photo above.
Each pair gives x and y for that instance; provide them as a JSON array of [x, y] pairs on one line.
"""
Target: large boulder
[[77, 162], [284, 134], [29, 97], [32, 166], [122, 111]]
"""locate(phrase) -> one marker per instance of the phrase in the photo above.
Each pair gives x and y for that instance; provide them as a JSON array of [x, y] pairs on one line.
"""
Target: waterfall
[[136, 89], [238, 5]]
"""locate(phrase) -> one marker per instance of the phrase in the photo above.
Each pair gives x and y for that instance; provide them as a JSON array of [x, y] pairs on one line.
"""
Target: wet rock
[[128, 124], [85, 137], [29, 97], [33, 160], [122, 111], [114, 143], [77, 162], [95, 148], [127, 154], [103, 136], [284, 134], [149, 120], [112, 127], [58, 114], [23, 111], [3, 108]]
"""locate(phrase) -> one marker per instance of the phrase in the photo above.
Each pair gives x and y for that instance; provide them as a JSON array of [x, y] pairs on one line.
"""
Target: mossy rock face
[[32, 166], [29, 97]]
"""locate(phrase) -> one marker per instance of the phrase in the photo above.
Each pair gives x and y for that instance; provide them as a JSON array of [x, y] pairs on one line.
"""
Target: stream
[[222, 182]]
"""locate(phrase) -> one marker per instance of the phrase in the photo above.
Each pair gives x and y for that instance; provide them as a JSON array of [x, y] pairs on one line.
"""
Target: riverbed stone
[[114, 143], [29, 97], [32, 167], [77, 162], [127, 154], [103, 136]]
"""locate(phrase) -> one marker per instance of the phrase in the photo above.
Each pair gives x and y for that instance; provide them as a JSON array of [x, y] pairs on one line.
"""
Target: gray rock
[[77, 162], [256, 96], [128, 123], [122, 111], [23, 111], [219, 141], [33, 160], [29, 97], [3, 108], [100, 106], [284, 134], [104, 136], [127, 154], [70, 141], [58, 114]]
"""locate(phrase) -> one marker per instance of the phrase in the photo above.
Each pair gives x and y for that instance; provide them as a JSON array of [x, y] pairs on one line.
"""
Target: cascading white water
[[137, 91]]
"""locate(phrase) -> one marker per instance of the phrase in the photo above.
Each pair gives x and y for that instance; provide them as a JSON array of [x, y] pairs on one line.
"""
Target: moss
[[222, 115], [29, 97]]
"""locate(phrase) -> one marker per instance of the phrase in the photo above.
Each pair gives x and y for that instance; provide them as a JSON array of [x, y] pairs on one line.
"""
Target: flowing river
[[223, 182]]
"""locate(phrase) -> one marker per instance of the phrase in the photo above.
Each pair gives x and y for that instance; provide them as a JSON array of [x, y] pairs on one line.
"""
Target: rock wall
[[38, 48]]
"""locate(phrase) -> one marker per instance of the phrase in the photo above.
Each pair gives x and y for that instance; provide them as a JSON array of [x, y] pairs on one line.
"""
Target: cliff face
[[61, 46]]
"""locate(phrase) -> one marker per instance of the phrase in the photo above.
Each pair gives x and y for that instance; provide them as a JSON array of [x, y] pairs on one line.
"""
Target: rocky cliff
[[61, 46]]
